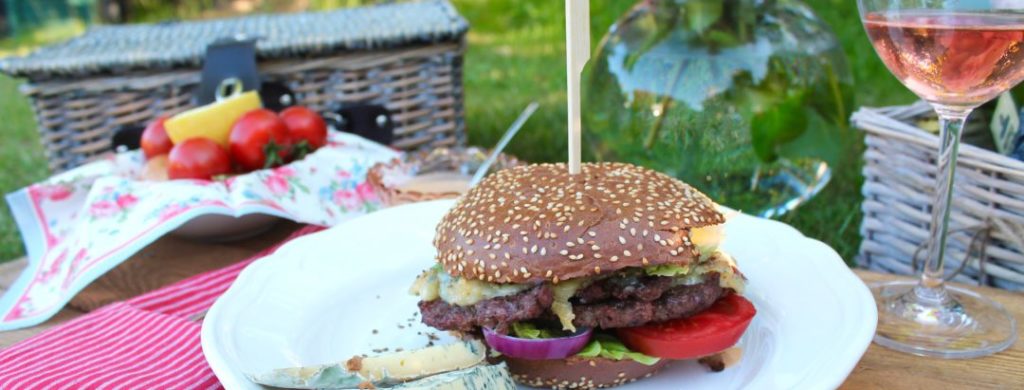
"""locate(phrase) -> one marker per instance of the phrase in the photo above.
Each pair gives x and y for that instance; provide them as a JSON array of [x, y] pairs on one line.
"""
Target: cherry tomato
[[197, 158], [714, 330], [307, 129], [155, 168], [155, 140], [259, 139]]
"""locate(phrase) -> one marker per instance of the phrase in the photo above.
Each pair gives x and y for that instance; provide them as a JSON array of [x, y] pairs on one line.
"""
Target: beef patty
[[677, 302], [615, 302], [496, 313], [624, 287]]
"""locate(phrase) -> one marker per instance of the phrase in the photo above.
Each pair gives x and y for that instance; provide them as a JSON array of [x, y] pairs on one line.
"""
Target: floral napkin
[[80, 224]]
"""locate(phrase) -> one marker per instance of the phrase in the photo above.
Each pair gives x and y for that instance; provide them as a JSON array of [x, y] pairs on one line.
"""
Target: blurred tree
[[4, 28], [22, 16], [111, 11]]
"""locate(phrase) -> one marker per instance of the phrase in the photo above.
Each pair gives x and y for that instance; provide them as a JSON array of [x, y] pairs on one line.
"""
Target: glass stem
[[951, 124]]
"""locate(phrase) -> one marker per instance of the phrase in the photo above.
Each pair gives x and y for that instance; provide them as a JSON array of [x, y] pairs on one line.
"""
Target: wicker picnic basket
[[406, 57], [899, 182]]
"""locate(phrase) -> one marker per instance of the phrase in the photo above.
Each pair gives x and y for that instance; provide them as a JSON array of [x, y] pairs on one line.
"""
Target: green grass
[[25, 43], [515, 56], [21, 157], [21, 154]]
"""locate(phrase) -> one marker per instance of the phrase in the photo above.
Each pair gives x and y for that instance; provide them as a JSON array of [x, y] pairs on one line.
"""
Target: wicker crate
[[899, 173], [407, 57]]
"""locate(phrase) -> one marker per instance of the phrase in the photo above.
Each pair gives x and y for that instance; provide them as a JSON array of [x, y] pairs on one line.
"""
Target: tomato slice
[[714, 330]]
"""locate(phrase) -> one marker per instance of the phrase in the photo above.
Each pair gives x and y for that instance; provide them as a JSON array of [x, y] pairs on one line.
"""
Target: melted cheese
[[561, 306], [724, 265], [707, 239], [728, 275], [435, 283], [466, 292], [426, 286]]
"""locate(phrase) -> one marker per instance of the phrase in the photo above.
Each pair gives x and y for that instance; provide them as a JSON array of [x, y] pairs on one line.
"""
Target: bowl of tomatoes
[[232, 137]]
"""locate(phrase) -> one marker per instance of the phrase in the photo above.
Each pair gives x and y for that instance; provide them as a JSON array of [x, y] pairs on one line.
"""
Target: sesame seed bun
[[537, 223], [579, 373]]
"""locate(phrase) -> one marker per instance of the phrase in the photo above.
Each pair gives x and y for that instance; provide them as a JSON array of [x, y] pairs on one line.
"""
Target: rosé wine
[[951, 58]]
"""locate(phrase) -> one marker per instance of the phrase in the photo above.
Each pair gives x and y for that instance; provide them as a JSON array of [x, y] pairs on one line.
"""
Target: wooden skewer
[[577, 50]]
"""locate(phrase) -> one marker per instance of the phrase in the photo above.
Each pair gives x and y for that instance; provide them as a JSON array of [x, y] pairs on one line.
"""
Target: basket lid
[[183, 44]]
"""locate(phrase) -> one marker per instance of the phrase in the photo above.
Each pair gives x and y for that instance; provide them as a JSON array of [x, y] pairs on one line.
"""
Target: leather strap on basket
[[981, 235]]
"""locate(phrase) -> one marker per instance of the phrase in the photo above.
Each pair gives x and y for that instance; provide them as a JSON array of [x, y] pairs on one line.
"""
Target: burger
[[588, 280]]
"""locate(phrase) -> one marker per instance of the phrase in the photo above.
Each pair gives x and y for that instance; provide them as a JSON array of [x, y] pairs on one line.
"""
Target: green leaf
[[609, 347], [832, 98], [614, 346], [271, 150], [667, 270], [525, 330], [664, 23], [701, 14], [643, 359], [742, 16], [722, 38], [301, 149], [612, 354], [820, 141], [593, 349], [777, 125]]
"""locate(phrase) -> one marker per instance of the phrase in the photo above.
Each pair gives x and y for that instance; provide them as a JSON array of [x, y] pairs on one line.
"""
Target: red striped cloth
[[148, 342]]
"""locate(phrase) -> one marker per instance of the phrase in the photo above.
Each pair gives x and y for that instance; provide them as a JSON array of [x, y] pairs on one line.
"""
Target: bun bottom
[[579, 373]]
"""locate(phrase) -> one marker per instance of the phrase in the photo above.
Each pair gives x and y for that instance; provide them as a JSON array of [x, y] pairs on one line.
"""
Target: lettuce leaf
[[526, 330], [593, 349], [609, 347], [602, 344], [670, 270]]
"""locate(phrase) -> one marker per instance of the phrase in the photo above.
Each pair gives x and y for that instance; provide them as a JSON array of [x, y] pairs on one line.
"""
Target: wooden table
[[170, 259], [882, 368]]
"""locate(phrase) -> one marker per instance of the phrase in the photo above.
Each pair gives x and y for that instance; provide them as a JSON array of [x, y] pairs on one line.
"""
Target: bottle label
[[1005, 123]]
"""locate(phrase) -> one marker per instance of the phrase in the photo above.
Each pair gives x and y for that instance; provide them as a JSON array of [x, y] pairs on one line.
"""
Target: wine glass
[[956, 55]]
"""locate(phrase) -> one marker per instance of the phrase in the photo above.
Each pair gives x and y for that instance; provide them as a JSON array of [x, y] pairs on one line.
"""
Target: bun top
[[537, 223]]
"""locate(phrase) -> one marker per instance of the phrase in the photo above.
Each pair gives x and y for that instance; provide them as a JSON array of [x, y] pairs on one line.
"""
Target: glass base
[[950, 322], [789, 184]]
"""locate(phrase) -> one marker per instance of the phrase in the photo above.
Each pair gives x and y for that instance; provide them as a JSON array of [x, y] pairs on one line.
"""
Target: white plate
[[320, 298]]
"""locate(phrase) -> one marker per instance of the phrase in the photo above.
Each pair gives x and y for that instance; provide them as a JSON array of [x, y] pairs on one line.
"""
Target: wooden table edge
[[878, 368]]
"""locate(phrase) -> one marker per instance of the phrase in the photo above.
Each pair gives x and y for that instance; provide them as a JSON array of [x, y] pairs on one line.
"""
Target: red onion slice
[[538, 349]]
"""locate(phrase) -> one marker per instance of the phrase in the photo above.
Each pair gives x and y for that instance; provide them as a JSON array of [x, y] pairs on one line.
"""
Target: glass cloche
[[747, 100]]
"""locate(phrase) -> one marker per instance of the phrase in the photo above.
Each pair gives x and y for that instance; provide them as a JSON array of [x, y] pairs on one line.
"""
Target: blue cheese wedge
[[330, 376], [380, 371], [419, 363], [483, 377]]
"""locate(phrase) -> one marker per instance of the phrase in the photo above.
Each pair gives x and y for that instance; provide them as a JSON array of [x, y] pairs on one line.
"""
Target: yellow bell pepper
[[213, 121]]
